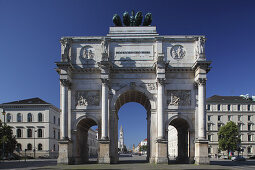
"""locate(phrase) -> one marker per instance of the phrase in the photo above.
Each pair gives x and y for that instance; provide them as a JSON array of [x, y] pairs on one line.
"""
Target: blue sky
[[30, 31]]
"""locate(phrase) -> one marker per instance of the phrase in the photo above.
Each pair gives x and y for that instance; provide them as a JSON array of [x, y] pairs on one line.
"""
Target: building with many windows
[[239, 109], [92, 143], [35, 124]]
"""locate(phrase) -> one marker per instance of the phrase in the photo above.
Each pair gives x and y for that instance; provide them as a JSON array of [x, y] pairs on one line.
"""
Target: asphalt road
[[135, 162]]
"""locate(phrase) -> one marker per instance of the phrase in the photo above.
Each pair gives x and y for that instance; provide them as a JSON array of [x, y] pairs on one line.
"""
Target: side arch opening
[[86, 141]]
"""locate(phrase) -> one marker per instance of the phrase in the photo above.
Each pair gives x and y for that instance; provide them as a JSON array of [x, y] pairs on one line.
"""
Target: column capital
[[66, 83], [161, 81], [201, 81], [105, 81]]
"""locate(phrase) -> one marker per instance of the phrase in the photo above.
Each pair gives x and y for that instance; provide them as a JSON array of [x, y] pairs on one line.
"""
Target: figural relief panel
[[87, 98], [178, 97], [87, 52], [178, 52]]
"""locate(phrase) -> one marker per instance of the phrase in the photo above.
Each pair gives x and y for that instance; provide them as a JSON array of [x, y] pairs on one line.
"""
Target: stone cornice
[[202, 64]]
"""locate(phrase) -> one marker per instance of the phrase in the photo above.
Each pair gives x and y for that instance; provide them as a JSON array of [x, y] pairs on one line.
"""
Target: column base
[[161, 152], [65, 152], [201, 152], [104, 152]]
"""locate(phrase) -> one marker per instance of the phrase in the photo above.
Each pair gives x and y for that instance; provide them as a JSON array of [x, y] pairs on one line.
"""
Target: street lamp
[[3, 112], [34, 141]]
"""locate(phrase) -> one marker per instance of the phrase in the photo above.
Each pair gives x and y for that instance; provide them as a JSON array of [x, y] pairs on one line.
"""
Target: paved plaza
[[135, 162]]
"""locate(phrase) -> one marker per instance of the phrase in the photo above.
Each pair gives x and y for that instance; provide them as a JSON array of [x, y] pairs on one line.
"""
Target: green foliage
[[7, 138], [229, 137], [143, 148]]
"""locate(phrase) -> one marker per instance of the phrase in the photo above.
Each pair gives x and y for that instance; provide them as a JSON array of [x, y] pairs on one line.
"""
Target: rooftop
[[35, 100], [229, 99]]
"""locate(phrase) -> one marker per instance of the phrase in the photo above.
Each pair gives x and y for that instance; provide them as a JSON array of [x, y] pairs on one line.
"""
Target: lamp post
[[34, 141], [4, 125]]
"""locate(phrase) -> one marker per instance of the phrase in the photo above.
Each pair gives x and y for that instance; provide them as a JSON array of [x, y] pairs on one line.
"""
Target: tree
[[7, 140], [143, 148], [229, 137]]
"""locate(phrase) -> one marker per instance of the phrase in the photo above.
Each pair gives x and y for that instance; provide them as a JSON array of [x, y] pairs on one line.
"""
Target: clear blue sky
[[30, 31]]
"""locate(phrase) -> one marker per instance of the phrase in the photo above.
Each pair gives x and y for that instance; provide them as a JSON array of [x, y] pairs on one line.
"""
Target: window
[[58, 121], [9, 117], [209, 118], [249, 107], [39, 147], [219, 118], [29, 117], [54, 147], [19, 147], [239, 117], [209, 126], [239, 126], [19, 119], [54, 134], [40, 117], [218, 107], [58, 134], [249, 149], [249, 138], [229, 117], [249, 117], [219, 125], [239, 107], [29, 146], [54, 119], [18, 133], [209, 150], [39, 133], [208, 107], [29, 133], [210, 137], [249, 126], [229, 107]]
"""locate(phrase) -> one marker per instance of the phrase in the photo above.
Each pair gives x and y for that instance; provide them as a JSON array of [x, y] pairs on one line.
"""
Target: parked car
[[252, 157], [238, 158]]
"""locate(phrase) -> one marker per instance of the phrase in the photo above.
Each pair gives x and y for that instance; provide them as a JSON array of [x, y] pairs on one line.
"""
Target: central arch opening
[[133, 109]]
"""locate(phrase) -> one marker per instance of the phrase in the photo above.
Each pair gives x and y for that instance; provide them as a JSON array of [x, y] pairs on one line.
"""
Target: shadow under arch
[[138, 95], [83, 126], [182, 144], [138, 89]]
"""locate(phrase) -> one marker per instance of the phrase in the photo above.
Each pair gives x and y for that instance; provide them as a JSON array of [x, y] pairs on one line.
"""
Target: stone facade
[[239, 109], [165, 74], [35, 124]]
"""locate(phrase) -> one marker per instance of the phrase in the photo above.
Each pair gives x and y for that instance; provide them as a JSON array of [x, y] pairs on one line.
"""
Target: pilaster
[[65, 152]]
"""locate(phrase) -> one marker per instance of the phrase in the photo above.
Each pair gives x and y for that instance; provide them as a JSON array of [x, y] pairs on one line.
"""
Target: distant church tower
[[121, 140]]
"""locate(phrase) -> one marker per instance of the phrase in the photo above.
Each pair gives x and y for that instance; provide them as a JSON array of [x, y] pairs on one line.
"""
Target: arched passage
[[82, 138], [138, 97], [178, 137]]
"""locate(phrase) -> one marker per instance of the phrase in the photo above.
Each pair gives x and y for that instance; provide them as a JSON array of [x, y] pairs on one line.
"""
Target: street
[[134, 162]]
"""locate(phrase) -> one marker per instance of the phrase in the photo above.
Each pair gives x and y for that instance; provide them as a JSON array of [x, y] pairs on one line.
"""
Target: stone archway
[[166, 74], [81, 142], [126, 96], [183, 142]]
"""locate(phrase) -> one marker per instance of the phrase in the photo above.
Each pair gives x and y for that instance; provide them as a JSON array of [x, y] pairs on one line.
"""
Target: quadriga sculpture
[[116, 20], [138, 18], [132, 20], [147, 20], [126, 19]]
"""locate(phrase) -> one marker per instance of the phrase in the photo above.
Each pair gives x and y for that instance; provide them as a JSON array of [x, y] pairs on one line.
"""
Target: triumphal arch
[[165, 74]]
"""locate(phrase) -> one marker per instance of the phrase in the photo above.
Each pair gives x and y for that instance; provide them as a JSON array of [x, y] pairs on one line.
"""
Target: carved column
[[201, 108], [161, 143], [65, 84], [201, 143], [104, 142], [65, 147], [160, 107], [105, 89]]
